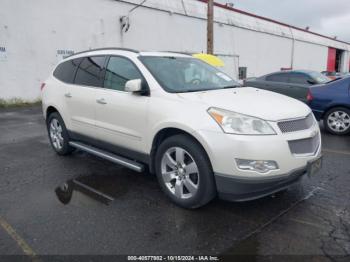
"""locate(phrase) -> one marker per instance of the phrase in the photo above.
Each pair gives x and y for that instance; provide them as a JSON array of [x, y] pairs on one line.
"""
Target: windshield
[[320, 78], [186, 74]]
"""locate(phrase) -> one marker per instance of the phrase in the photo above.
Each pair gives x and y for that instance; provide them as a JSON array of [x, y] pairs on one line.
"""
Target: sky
[[328, 17]]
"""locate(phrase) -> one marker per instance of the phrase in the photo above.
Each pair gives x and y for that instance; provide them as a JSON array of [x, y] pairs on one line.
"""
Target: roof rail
[[105, 48], [180, 53]]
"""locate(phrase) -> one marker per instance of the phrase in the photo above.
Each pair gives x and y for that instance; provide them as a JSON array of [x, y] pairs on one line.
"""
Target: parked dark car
[[294, 83], [333, 75], [331, 102]]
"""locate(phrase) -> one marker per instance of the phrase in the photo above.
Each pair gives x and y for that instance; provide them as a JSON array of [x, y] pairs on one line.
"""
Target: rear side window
[[297, 78], [90, 71], [66, 70], [119, 71], [280, 77]]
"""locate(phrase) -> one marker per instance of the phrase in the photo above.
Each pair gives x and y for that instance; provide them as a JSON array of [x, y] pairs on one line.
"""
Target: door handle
[[101, 101], [69, 95]]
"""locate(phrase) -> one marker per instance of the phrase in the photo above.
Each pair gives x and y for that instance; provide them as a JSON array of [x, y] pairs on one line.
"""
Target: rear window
[[320, 79], [277, 77], [90, 71], [66, 70]]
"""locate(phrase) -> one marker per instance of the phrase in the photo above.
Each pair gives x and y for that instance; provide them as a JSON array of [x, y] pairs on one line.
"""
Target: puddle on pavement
[[90, 190]]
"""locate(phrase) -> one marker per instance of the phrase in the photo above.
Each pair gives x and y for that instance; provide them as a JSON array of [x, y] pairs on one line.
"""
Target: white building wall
[[32, 32], [261, 53], [310, 56]]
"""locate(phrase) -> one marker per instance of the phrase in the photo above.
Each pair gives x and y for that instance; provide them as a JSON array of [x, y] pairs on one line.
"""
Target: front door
[[121, 117]]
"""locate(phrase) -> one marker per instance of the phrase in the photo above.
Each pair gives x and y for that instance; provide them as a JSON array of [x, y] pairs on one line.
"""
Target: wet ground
[[51, 205]]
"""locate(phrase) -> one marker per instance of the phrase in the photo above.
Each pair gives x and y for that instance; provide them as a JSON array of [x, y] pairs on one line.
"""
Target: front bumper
[[223, 149], [239, 189], [236, 184]]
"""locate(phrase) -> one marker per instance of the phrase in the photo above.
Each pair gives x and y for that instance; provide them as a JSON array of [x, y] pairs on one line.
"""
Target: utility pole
[[210, 27]]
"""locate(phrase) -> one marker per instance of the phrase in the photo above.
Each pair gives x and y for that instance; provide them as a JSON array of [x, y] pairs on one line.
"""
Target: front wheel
[[337, 121], [184, 172]]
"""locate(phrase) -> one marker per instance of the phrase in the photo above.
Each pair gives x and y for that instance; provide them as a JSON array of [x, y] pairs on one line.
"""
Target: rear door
[[81, 97], [299, 85], [278, 83], [121, 117], [65, 73]]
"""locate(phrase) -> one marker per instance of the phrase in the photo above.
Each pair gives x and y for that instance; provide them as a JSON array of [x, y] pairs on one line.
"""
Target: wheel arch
[[50, 110], [165, 133], [334, 106]]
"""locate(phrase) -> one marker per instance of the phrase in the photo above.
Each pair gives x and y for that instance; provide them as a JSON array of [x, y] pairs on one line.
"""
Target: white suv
[[191, 124]]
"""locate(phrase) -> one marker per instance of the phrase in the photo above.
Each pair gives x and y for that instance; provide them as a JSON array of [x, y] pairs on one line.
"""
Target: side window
[[119, 71], [280, 77], [66, 70], [90, 71], [297, 78]]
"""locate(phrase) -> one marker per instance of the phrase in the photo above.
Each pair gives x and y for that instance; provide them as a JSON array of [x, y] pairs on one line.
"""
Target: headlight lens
[[234, 123]]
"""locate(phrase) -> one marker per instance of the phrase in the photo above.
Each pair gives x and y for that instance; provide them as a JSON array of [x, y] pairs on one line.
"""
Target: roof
[[172, 54], [302, 71], [272, 20], [117, 50], [104, 49]]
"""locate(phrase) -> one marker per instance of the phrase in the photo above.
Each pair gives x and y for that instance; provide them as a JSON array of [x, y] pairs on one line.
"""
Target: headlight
[[234, 123]]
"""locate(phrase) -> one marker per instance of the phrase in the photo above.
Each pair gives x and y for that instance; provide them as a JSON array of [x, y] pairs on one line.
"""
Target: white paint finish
[[261, 53], [344, 63], [310, 56], [46, 26], [231, 64], [133, 121], [198, 9]]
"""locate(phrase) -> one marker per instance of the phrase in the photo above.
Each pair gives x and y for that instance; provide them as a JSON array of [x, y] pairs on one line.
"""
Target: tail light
[[309, 96], [42, 86]]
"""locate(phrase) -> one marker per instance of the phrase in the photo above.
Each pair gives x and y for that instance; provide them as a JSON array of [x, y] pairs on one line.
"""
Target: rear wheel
[[58, 134], [184, 172], [337, 121]]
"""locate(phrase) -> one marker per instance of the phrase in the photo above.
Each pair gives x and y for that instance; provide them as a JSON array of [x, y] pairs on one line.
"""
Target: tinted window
[[280, 77], [297, 78], [119, 71], [90, 71], [321, 79], [66, 70]]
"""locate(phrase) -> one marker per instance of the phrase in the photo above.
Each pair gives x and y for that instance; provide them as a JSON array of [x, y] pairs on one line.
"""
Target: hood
[[251, 101]]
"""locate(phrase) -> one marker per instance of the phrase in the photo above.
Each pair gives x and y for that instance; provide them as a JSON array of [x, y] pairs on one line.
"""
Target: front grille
[[305, 146], [296, 125]]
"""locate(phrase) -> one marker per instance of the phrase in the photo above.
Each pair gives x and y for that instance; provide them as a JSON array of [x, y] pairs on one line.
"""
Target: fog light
[[261, 166]]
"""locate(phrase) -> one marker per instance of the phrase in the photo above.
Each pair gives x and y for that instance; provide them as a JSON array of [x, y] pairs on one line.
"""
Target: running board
[[109, 156]]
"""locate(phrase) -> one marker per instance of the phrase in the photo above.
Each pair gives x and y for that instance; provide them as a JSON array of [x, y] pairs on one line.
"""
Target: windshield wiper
[[233, 86], [206, 89]]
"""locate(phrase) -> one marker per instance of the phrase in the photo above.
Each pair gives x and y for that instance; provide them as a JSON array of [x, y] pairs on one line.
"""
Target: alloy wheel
[[56, 134], [180, 173], [339, 121]]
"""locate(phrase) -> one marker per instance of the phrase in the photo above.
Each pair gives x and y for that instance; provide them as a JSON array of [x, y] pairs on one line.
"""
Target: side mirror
[[133, 86]]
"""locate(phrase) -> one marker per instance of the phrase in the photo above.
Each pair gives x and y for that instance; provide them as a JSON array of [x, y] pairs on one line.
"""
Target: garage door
[[331, 59]]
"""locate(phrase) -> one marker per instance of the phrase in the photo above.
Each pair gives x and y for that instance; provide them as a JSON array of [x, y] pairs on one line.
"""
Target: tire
[[58, 134], [337, 121], [190, 184]]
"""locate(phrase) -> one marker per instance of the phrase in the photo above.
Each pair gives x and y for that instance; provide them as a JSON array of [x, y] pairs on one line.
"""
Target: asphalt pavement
[[82, 205]]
